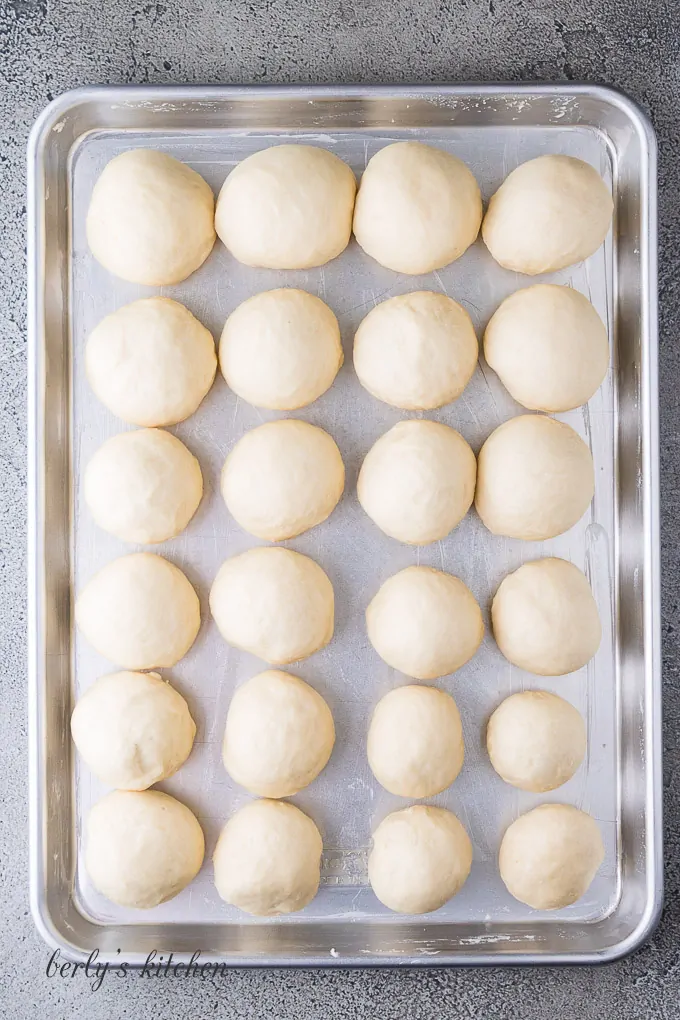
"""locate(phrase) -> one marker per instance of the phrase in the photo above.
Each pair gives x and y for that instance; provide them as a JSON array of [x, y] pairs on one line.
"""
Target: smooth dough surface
[[545, 619], [549, 856], [421, 857], [424, 623], [549, 213], [283, 478], [268, 859], [279, 734], [142, 848], [549, 347], [535, 478], [416, 351], [415, 741], [287, 207], [418, 208], [281, 349], [274, 603], [536, 741], [143, 486], [417, 481], [151, 362], [132, 729], [139, 611], [150, 218]]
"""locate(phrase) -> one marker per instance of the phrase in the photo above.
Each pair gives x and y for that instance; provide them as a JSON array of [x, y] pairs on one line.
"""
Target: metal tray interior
[[492, 129]]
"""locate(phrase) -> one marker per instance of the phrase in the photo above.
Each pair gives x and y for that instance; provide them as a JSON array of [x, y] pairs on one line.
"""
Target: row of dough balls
[[152, 220]]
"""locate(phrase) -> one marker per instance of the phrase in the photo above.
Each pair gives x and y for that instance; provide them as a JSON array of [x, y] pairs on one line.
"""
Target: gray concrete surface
[[48, 46]]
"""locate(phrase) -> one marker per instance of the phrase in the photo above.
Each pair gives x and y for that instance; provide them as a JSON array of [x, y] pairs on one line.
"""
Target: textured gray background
[[48, 46]]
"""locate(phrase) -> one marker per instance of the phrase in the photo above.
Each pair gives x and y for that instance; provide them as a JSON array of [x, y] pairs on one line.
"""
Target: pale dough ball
[[268, 859], [550, 855], [415, 741], [143, 486], [545, 619], [150, 218], [139, 611], [418, 208], [274, 603], [281, 349], [416, 351], [132, 729], [279, 734], [424, 623], [417, 481], [151, 362], [535, 478], [549, 347], [536, 741], [421, 857], [549, 213], [287, 207], [142, 848], [283, 478]]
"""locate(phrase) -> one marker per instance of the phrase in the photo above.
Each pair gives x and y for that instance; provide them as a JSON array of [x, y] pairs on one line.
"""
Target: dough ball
[[416, 351], [418, 208], [281, 349], [549, 347], [545, 619], [535, 478], [142, 848], [274, 603], [417, 481], [150, 218], [143, 486], [415, 741], [283, 478], [424, 623], [139, 611], [287, 207], [279, 734], [550, 855], [132, 729], [421, 857], [151, 362], [268, 859], [536, 741], [549, 213]]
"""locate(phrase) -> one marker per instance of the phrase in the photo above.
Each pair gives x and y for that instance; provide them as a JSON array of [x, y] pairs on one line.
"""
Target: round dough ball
[[132, 729], [281, 349], [421, 857], [418, 208], [151, 362], [274, 603], [535, 478], [550, 855], [417, 481], [545, 619], [143, 486], [287, 207], [536, 741], [549, 347], [283, 478], [415, 741], [548, 214], [416, 351], [268, 859], [150, 218], [139, 611], [279, 735], [142, 848], [424, 623]]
